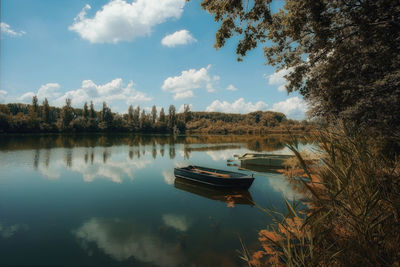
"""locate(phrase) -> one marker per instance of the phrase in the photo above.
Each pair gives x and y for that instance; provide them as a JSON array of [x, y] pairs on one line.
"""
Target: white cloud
[[210, 88], [115, 93], [183, 95], [293, 107], [182, 107], [27, 97], [182, 86], [231, 87], [49, 91], [6, 29], [181, 37], [278, 78], [82, 14], [3, 95], [122, 21], [239, 106]]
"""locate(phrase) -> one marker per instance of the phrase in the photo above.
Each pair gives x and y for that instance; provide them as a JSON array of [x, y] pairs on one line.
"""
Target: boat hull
[[267, 160], [243, 181]]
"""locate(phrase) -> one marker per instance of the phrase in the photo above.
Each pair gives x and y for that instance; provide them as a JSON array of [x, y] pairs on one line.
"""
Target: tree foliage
[[85, 111], [34, 108], [162, 115], [67, 115], [187, 113], [92, 112], [342, 55], [171, 116], [46, 111], [153, 114], [16, 118]]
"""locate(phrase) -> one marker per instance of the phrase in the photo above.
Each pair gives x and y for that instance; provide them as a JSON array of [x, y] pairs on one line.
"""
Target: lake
[[112, 200]]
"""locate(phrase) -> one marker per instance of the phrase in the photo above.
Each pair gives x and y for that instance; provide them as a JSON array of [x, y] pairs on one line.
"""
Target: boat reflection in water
[[259, 168], [243, 166], [231, 197]]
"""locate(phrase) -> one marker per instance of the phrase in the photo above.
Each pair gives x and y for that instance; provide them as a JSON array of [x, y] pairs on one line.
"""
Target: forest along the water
[[43, 118]]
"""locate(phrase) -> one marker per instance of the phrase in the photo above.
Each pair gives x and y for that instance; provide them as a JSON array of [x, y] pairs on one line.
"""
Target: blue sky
[[142, 52]]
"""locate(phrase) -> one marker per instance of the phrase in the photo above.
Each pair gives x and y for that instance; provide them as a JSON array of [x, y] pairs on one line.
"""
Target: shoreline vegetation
[[343, 57], [350, 210], [36, 118]]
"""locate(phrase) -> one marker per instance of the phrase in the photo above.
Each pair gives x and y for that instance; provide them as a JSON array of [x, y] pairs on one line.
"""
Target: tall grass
[[352, 214]]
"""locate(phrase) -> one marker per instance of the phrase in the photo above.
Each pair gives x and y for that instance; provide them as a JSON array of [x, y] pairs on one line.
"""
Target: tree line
[[36, 118]]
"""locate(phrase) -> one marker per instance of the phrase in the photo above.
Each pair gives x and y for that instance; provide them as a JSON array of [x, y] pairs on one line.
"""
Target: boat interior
[[214, 172]]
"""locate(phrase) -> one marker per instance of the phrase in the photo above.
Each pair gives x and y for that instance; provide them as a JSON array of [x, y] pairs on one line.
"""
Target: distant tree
[[119, 123], [143, 122], [79, 124], [67, 114], [187, 114], [153, 114], [106, 114], [106, 118], [136, 116], [4, 118], [130, 114], [171, 116], [34, 108], [92, 112], [5, 109], [46, 111], [85, 111], [162, 115]]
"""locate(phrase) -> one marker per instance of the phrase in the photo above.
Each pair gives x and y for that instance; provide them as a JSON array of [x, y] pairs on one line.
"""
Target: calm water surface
[[113, 201]]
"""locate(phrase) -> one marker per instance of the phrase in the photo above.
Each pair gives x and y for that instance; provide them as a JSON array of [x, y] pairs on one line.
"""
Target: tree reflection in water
[[253, 142], [80, 149]]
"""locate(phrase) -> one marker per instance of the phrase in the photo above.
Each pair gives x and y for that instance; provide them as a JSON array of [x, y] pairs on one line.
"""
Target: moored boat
[[266, 160], [214, 177]]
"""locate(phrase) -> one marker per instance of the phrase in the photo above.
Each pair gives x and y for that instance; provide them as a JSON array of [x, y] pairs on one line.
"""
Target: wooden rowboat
[[266, 160], [214, 177]]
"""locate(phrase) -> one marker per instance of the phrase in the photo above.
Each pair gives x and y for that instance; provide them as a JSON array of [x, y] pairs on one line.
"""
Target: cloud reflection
[[11, 230], [179, 222], [122, 240], [282, 184], [225, 154], [108, 164], [169, 177], [113, 171]]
